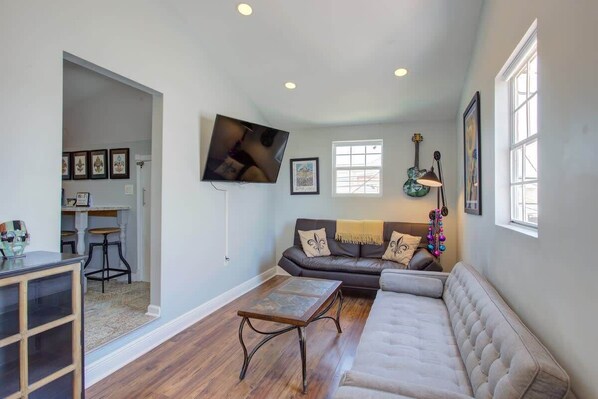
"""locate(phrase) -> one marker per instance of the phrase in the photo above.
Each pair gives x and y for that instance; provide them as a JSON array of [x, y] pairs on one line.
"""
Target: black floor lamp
[[436, 237]]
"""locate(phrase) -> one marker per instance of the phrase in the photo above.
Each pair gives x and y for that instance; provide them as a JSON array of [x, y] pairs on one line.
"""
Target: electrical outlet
[[226, 260], [129, 190]]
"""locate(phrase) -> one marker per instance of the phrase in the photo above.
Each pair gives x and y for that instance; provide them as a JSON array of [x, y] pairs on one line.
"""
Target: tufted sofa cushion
[[409, 338], [502, 357]]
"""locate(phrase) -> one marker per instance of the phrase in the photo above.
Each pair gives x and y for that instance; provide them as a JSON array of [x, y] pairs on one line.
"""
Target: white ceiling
[[342, 55]]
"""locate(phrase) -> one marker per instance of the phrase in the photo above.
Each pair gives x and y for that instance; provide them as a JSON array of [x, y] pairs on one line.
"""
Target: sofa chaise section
[[438, 335]]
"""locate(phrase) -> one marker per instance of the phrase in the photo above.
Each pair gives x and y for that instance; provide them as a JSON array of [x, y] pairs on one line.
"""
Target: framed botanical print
[[97, 162], [80, 165], [305, 176], [119, 163], [66, 166], [472, 157]]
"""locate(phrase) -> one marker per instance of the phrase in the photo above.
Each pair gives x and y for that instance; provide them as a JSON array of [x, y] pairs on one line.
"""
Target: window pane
[[343, 150], [520, 125], [520, 87], [358, 160], [358, 149], [531, 161], [516, 203], [373, 160], [533, 115], [372, 181], [531, 203], [533, 75], [373, 149], [343, 160], [358, 181], [516, 165]]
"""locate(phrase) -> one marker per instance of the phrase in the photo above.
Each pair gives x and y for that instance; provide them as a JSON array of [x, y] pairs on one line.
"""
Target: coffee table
[[297, 301]]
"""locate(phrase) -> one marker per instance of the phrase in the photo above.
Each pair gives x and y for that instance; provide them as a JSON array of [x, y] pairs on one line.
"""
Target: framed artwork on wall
[[66, 166], [472, 157], [82, 199], [305, 176], [80, 165], [119, 163], [98, 160]]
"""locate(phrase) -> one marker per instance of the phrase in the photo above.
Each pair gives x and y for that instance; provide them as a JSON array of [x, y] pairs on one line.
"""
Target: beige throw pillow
[[401, 247], [314, 243]]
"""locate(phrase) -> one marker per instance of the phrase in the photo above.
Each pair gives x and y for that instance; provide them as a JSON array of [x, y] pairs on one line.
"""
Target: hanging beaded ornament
[[436, 237]]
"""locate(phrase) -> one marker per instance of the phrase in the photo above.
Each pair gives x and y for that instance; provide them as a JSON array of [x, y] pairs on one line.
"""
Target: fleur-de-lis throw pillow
[[401, 247], [314, 243]]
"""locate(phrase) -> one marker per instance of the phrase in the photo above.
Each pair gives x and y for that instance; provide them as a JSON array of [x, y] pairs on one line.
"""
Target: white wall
[[550, 280], [394, 205], [143, 42]]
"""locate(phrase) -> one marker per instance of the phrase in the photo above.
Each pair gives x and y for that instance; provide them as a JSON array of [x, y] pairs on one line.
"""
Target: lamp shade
[[430, 179]]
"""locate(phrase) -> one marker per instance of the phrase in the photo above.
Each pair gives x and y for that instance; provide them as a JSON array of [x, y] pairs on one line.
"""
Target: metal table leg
[[302, 346]]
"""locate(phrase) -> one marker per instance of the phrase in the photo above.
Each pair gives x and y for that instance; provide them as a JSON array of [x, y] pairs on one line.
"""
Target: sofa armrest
[[355, 383], [424, 260], [295, 253], [430, 284]]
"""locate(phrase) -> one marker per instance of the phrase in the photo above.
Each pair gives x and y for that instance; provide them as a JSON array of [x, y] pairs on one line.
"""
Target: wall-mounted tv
[[244, 152]]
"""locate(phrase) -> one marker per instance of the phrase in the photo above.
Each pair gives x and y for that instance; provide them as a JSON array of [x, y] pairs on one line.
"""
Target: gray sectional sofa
[[357, 266], [448, 336]]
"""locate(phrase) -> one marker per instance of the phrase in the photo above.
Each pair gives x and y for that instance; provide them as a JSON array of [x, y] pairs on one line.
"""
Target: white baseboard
[[153, 310], [110, 363]]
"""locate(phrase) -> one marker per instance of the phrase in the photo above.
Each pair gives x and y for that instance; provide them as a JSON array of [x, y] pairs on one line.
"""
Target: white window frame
[[530, 53], [336, 144]]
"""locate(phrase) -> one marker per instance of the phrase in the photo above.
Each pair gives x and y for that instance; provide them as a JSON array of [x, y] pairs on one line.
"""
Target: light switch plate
[[129, 189]]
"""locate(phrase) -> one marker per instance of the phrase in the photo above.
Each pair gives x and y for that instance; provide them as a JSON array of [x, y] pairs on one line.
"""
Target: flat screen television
[[242, 151]]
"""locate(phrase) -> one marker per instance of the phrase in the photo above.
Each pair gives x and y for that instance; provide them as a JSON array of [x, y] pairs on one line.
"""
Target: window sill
[[528, 231]]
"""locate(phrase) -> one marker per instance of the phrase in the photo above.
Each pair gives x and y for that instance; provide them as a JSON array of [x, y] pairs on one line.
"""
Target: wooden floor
[[204, 360]]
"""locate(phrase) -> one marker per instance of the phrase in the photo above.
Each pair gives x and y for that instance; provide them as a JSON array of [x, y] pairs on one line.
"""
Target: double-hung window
[[523, 87], [357, 168]]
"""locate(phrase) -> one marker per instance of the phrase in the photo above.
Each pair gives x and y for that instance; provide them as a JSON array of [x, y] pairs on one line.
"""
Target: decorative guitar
[[411, 187]]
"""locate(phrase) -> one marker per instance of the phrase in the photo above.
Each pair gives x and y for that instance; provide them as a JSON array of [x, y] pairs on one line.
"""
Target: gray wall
[[549, 280], [33, 37], [394, 205]]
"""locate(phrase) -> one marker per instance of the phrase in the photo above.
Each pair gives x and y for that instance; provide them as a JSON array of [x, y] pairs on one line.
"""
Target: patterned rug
[[120, 310]]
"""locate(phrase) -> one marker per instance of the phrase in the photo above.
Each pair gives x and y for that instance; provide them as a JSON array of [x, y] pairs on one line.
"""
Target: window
[[523, 112], [357, 168]]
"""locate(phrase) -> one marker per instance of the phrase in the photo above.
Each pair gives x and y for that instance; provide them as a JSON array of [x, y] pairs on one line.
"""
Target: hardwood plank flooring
[[204, 360]]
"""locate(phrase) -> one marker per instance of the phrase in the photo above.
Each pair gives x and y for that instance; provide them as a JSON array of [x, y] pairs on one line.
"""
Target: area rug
[[120, 310]]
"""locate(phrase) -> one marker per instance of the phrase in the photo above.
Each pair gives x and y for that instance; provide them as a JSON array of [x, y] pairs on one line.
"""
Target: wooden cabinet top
[[34, 261]]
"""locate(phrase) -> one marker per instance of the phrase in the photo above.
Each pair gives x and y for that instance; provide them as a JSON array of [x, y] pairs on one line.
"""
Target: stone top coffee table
[[297, 301]]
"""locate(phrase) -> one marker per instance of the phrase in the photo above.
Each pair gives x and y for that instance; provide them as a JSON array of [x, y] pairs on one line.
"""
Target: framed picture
[[82, 199], [71, 201], [66, 166], [97, 164], [119, 163], [80, 161], [305, 176], [472, 157]]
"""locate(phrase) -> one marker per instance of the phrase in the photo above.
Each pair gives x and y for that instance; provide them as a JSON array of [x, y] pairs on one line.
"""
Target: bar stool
[[105, 231], [67, 233]]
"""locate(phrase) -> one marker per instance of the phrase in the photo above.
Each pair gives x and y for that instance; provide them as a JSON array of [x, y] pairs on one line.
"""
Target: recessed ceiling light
[[290, 85], [244, 9], [401, 72]]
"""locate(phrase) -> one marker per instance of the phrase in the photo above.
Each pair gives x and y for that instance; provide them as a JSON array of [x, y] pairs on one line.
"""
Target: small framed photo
[[305, 176], [66, 166], [82, 199], [119, 163], [97, 163], [80, 165], [71, 202]]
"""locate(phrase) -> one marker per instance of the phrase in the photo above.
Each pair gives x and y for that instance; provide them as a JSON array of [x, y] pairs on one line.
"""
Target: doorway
[[107, 114]]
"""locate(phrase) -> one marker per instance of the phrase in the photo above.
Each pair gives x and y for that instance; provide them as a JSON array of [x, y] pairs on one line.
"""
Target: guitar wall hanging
[[411, 187]]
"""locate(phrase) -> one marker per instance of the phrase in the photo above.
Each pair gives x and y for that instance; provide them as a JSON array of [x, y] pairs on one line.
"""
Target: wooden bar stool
[[105, 271], [68, 233]]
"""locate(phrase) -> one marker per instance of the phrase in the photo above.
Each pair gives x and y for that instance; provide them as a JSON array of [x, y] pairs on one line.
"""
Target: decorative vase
[[13, 239]]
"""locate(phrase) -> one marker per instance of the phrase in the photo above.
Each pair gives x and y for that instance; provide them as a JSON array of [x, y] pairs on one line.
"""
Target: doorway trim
[[140, 274]]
